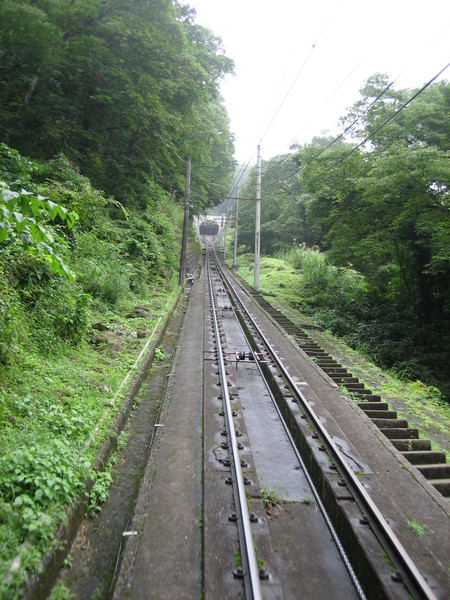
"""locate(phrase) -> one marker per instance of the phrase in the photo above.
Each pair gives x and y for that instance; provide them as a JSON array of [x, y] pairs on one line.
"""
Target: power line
[[379, 96], [241, 172], [371, 135], [305, 62]]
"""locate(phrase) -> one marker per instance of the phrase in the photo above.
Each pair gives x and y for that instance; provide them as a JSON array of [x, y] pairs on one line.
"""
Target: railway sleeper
[[420, 457], [411, 445], [371, 406]]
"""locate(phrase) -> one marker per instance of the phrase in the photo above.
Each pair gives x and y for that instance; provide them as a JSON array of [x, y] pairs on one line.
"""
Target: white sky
[[271, 43]]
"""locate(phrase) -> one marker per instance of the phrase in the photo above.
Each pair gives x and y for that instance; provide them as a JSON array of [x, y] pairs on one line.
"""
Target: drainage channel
[[301, 551]]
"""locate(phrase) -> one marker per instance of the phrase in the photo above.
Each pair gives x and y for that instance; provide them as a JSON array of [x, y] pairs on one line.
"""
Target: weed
[[418, 528], [122, 441], [100, 489], [159, 354], [270, 499], [61, 592], [388, 561], [238, 559]]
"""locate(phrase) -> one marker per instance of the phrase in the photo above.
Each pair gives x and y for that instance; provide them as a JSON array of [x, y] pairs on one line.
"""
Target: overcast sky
[[299, 64]]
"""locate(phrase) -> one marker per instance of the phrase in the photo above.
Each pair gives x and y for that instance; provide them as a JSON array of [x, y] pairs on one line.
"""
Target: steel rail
[[248, 552], [409, 572]]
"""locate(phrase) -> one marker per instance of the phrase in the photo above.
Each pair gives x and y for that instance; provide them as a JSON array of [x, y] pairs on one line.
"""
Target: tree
[[115, 85]]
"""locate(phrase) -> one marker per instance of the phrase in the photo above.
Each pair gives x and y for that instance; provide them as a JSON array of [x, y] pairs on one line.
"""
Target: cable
[[347, 129], [305, 62], [241, 172], [371, 135]]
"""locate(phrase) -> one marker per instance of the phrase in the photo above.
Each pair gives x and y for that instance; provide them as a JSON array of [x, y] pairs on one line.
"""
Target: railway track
[[261, 480], [288, 392]]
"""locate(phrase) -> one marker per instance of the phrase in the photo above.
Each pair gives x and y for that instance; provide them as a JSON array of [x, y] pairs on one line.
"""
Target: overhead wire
[[348, 128], [241, 172], [373, 133]]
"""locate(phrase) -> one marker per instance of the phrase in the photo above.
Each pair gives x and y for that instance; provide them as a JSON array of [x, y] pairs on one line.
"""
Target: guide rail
[[250, 569]]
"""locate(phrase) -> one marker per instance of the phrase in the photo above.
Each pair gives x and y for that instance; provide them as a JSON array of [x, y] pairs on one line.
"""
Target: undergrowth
[[66, 344], [343, 302]]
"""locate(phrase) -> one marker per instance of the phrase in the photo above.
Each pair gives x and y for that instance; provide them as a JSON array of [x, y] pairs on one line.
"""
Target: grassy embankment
[[66, 347]]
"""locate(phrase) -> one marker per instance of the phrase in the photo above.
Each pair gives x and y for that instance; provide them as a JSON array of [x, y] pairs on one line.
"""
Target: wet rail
[[250, 570], [406, 570]]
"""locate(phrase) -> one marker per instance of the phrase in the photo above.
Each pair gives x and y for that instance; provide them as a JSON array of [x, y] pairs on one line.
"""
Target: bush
[[104, 281], [12, 323]]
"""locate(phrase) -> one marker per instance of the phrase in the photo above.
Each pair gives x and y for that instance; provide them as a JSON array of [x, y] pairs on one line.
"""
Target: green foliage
[[380, 216], [36, 476], [418, 528], [100, 490], [124, 89], [270, 499], [159, 354], [55, 406], [23, 217]]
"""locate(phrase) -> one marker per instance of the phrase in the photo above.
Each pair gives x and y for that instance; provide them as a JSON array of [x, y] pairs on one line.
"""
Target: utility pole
[[185, 223], [236, 219], [258, 219], [225, 242], [221, 233]]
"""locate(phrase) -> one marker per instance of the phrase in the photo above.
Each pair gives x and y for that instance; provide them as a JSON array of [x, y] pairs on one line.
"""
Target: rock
[[98, 339], [95, 340], [99, 327], [99, 385], [139, 312]]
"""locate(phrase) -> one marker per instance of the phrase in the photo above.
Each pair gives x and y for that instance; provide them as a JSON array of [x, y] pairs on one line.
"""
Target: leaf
[[9, 195], [24, 204], [54, 209], [18, 216], [3, 232], [35, 204]]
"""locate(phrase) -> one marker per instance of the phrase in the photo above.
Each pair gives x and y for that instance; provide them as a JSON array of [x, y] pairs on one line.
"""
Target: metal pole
[[185, 223], [226, 232], [258, 219], [236, 219], [221, 232]]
